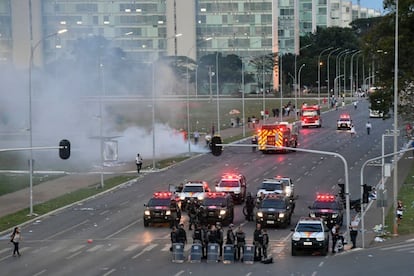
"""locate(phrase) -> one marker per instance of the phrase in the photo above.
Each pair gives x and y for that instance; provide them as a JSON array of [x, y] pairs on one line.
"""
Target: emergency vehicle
[[311, 116], [193, 190], [328, 207], [282, 134], [234, 184], [217, 207], [275, 210], [344, 122], [162, 208]]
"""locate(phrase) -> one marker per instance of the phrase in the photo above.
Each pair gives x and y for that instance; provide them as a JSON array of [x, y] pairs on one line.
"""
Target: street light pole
[[352, 73], [296, 78], [33, 48], [218, 100], [300, 70], [328, 70], [319, 73]]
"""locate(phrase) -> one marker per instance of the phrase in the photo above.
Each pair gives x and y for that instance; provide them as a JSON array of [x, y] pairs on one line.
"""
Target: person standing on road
[[258, 242], [138, 162], [181, 235], [196, 135], [265, 243], [368, 126], [353, 231], [240, 243], [353, 131], [173, 237], [15, 238]]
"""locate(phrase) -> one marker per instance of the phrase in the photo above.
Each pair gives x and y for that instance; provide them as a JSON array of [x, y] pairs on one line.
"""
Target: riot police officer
[[240, 243], [181, 235], [220, 237], [249, 207], [198, 237], [192, 213], [258, 242], [175, 214]]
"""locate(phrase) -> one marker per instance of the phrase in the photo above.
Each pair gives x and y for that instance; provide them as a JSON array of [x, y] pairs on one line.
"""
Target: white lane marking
[[5, 249], [76, 248], [120, 230], [57, 249], [40, 272], [321, 264], [112, 247], [96, 247], [132, 247], [73, 255], [285, 239], [278, 249], [396, 247], [248, 274], [109, 272], [124, 203], [179, 273], [166, 247], [148, 248], [104, 212], [314, 273], [39, 249], [67, 229]]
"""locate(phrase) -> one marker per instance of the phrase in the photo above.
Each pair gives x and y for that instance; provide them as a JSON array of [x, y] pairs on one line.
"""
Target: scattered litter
[[378, 239], [370, 256]]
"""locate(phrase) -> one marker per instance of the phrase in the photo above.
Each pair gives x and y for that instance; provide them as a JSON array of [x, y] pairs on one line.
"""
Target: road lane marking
[[321, 264], [396, 247], [76, 248], [166, 247], [40, 272], [57, 249], [109, 272], [96, 247], [132, 247], [73, 255], [124, 203], [104, 212], [4, 250], [67, 230], [179, 273], [148, 248], [112, 247], [120, 230]]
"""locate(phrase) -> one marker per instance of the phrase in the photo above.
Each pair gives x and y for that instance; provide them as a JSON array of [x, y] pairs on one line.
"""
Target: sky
[[372, 4]]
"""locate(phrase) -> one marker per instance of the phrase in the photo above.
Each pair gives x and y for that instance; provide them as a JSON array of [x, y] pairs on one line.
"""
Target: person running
[[138, 162], [368, 126], [15, 238]]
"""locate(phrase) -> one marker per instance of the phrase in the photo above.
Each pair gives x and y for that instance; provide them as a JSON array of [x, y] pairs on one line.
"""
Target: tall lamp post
[[351, 81], [328, 69], [296, 78], [33, 48], [218, 100], [338, 69], [300, 70], [319, 73]]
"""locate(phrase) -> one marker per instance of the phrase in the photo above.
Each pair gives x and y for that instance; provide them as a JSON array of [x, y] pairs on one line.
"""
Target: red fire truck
[[282, 134], [311, 116]]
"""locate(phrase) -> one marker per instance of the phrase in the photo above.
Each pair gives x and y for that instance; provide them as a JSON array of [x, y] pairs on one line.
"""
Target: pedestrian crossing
[[135, 250], [407, 247]]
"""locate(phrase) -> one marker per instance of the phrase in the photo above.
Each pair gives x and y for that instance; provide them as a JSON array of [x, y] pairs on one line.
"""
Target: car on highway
[[162, 208], [217, 207], [328, 207], [192, 190], [288, 183], [275, 210], [344, 122], [271, 186], [310, 234], [234, 184]]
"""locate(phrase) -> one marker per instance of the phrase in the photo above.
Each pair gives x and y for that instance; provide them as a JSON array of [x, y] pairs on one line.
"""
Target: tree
[[378, 44]]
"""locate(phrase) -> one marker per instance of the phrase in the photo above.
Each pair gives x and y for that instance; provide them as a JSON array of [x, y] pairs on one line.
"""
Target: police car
[[344, 122], [235, 185], [193, 190], [329, 208], [288, 183], [310, 234], [275, 210], [271, 186], [217, 207], [161, 208]]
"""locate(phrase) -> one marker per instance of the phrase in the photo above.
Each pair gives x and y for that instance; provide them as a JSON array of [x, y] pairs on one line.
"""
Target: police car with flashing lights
[[271, 186], [344, 122], [193, 190], [217, 207], [275, 210], [288, 183], [162, 208], [310, 234], [235, 185], [329, 208]]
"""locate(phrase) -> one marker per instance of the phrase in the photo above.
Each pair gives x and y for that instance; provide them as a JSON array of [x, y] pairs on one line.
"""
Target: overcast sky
[[372, 4]]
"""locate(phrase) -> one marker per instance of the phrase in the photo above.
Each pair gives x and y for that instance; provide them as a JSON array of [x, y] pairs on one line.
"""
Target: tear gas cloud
[[69, 106]]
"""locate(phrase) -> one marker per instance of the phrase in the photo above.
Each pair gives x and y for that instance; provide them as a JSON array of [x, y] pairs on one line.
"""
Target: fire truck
[[311, 116], [282, 134]]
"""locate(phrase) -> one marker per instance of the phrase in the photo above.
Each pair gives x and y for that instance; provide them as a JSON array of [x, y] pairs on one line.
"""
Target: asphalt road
[[120, 245]]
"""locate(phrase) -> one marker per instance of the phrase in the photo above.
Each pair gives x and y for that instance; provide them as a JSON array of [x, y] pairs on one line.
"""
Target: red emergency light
[[162, 194], [344, 116], [325, 197]]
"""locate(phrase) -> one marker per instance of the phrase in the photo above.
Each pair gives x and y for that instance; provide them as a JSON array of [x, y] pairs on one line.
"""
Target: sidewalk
[[19, 200]]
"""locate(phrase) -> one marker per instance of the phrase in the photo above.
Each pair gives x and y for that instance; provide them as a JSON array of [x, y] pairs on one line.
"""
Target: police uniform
[[240, 243], [258, 243]]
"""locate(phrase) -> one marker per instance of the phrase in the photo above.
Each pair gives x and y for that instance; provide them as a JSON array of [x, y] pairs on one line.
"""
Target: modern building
[[147, 29]]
